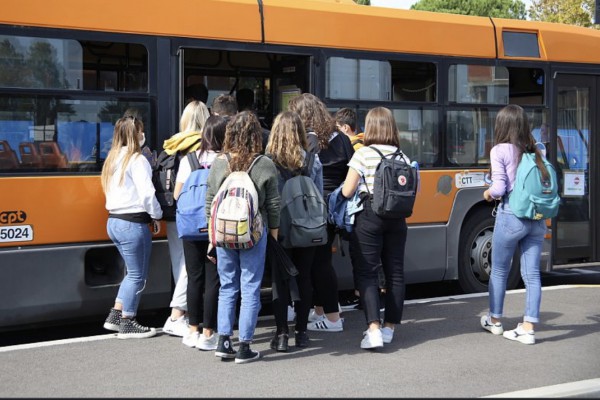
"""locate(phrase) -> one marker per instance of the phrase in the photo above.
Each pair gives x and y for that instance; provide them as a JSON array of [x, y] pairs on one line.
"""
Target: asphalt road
[[93, 325]]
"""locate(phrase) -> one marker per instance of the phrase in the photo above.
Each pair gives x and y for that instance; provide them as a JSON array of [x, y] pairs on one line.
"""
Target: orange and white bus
[[69, 70]]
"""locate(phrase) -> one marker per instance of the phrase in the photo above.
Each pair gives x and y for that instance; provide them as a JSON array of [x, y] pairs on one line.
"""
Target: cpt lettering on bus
[[12, 217]]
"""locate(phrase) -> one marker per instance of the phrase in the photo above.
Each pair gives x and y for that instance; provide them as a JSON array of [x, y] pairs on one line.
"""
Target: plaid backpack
[[235, 221]]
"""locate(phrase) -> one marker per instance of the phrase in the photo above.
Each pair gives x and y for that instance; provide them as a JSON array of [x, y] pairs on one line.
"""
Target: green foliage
[[363, 2], [514, 9], [573, 12]]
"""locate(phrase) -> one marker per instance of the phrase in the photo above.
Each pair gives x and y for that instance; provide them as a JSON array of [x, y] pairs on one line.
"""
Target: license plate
[[16, 233]]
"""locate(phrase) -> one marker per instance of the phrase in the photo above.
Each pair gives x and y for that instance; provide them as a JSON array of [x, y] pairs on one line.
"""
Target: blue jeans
[[510, 231], [240, 271], [134, 242]]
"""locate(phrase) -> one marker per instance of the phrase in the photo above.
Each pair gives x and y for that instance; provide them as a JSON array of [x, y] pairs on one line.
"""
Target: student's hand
[[274, 232], [487, 196], [211, 253], [155, 227]]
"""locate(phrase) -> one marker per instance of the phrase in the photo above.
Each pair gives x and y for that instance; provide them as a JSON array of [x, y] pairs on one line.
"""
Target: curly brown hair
[[243, 140], [315, 116]]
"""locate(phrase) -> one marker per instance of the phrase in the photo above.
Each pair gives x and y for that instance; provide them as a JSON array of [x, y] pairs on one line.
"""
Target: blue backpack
[[191, 216], [531, 197]]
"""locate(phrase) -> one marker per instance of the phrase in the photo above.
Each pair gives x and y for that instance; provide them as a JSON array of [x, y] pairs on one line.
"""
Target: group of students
[[211, 280]]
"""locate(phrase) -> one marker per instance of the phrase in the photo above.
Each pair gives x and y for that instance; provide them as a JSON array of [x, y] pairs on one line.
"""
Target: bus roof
[[312, 23]]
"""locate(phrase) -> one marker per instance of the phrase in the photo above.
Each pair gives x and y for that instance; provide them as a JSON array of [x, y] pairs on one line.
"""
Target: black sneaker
[[131, 329], [113, 320], [225, 348], [301, 339], [245, 354]]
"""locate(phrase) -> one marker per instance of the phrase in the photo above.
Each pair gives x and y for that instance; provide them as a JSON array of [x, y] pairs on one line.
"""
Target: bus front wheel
[[475, 257]]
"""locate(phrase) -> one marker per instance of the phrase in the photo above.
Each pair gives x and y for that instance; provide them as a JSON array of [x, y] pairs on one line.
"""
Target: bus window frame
[[150, 96]]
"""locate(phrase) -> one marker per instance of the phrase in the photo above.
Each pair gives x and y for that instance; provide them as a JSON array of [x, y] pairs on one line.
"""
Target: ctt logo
[[12, 217]]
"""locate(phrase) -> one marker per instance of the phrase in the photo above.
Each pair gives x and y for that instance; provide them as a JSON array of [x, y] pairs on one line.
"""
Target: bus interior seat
[[8, 157], [30, 156], [52, 157]]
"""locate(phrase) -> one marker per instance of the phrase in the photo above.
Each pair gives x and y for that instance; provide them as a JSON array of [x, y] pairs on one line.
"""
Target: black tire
[[475, 254]]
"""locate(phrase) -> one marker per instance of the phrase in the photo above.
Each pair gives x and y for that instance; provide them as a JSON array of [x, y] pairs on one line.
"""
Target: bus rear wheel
[[475, 254]]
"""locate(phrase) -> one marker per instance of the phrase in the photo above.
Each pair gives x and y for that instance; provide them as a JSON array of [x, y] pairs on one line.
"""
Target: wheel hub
[[481, 256]]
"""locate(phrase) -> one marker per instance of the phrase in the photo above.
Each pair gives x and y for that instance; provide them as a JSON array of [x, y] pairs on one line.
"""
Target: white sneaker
[[387, 334], [313, 316], [191, 339], [486, 323], [520, 335], [291, 314], [179, 327], [325, 325], [372, 339], [208, 343]]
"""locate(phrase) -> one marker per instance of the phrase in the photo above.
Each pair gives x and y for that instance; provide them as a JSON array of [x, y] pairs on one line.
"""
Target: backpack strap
[[253, 162], [309, 161], [395, 154], [193, 160]]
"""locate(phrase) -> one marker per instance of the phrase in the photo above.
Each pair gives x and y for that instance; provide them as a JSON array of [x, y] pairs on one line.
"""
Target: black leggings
[[303, 259], [203, 285], [324, 278], [380, 243]]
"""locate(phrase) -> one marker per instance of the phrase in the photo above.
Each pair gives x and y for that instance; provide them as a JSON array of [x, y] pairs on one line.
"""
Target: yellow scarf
[[188, 141]]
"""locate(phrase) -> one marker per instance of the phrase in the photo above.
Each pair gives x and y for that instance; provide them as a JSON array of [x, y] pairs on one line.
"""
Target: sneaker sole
[[207, 348], [224, 355], [247, 360], [325, 330], [111, 327], [517, 339], [136, 335], [376, 346]]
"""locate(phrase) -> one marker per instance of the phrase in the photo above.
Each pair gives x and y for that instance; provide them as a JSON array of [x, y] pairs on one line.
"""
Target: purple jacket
[[504, 158]]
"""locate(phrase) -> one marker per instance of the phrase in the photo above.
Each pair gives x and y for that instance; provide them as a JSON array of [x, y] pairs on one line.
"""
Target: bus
[[70, 69]]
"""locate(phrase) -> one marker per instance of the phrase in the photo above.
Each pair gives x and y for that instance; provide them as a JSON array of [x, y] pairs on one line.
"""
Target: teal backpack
[[531, 197]]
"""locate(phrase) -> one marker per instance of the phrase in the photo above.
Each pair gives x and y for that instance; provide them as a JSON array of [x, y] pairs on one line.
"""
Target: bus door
[[574, 147], [272, 78]]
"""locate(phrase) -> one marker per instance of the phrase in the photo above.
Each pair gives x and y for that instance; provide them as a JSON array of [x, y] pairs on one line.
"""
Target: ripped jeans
[[134, 242]]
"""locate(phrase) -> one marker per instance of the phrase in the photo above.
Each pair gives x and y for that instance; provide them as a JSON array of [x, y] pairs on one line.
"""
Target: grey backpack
[[303, 211]]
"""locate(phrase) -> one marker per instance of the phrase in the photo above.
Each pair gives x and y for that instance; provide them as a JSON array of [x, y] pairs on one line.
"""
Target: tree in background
[[514, 9], [573, 12], [363, 2]]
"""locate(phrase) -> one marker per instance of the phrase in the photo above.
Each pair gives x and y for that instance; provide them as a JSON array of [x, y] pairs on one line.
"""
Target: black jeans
[[203, 285], [303, 259], [324, 278], [380, 243]]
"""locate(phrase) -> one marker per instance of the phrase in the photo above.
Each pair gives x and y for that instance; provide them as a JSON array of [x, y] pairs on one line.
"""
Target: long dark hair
[[243, 137], [512, 126], [213, 134]]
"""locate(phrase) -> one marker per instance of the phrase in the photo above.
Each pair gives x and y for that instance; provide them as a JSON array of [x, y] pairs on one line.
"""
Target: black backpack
[[303, 210], [164, 172], [395, 186]]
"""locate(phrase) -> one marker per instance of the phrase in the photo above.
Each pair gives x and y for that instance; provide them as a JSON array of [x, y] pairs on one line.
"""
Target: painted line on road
[[485, 294], [58, 342], [571, 389]]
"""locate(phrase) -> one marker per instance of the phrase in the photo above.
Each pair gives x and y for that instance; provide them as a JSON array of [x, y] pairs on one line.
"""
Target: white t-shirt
[[185, 169], [365, 161]]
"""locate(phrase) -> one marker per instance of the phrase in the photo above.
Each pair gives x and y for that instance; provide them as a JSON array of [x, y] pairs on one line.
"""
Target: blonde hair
[[380, 128], [193, 117], [287, 141], [125, 135], [243, 137], [315, 116]]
